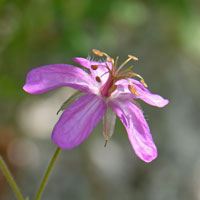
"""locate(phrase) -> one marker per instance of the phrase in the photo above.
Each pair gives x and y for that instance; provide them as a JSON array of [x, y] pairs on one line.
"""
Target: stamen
[[133, 57], [131, 74], [117, 78], [108, 69], [97, 52], [126, 70], [106, 66], [94, 67], [132, 89], [112, 89], [122, 65], [143, 83], [130, 57], [98, 79], [104, 73], [115, 65], [109, 59]]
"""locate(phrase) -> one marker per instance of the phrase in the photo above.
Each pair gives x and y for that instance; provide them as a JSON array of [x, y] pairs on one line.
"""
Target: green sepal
[[71, 100], [109, 120]]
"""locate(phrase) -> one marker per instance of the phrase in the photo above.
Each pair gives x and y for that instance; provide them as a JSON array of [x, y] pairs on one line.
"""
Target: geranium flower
[[106, 88]]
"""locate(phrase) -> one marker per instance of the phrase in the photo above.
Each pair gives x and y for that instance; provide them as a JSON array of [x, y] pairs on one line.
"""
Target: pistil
[[104, 90]]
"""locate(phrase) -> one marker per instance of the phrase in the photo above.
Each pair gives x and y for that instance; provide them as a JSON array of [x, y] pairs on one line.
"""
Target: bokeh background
[[164, 35]]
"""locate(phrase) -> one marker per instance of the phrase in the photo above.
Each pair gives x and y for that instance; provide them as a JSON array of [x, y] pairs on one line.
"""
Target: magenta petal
[[144, 93], [78, 121], [88, 63], [137, 128], [45, 78], [84, 62], [148, 97]]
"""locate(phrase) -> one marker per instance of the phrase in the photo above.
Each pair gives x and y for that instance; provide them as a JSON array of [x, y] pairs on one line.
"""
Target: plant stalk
[[10, 179], [47, 174]]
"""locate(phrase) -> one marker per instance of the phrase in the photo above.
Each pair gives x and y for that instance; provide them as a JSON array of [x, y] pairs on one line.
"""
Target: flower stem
[[10, 179], [47, 174]]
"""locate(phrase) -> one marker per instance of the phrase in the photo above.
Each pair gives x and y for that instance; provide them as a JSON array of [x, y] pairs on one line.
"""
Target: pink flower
[[106, 86]]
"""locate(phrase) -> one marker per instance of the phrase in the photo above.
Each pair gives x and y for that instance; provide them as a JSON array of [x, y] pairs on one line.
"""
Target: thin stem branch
[[47, 174], [10, 179]]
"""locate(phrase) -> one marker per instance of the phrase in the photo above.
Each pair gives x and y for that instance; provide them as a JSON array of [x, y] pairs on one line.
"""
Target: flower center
[[105, 89], [116, 74]]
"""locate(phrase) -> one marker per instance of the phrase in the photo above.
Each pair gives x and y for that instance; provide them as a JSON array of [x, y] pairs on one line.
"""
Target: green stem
[[10, 179], [47, 174]]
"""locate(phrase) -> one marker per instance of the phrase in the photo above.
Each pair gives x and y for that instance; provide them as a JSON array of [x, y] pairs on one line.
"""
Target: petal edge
[[45, 78], [144, 94], [137, 128], [78, 121]]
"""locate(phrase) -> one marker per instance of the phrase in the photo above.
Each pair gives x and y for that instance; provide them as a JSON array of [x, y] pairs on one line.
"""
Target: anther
[[141, 80], [109, 59], [133, 57], [97, 52], [132, 90], [98, 79], [143, 83], [94, 67]]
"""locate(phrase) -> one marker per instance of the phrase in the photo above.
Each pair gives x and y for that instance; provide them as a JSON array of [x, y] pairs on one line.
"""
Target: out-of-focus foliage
[[164, 35]]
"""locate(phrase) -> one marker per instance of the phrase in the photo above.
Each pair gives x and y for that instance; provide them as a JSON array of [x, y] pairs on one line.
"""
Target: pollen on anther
[[98, 79], [94, 67], [143, 83], [109, 59], [132, 90], [97, 52], [133, 57]]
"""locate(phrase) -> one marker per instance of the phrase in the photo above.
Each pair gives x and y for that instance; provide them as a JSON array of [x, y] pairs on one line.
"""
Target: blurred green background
[[164, 35]]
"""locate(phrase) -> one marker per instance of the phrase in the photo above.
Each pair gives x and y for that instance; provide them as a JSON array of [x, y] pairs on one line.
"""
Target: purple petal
[[78, 121], [45, 78], [137, 128], [144, 93], [100, 72], [84, 62]]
